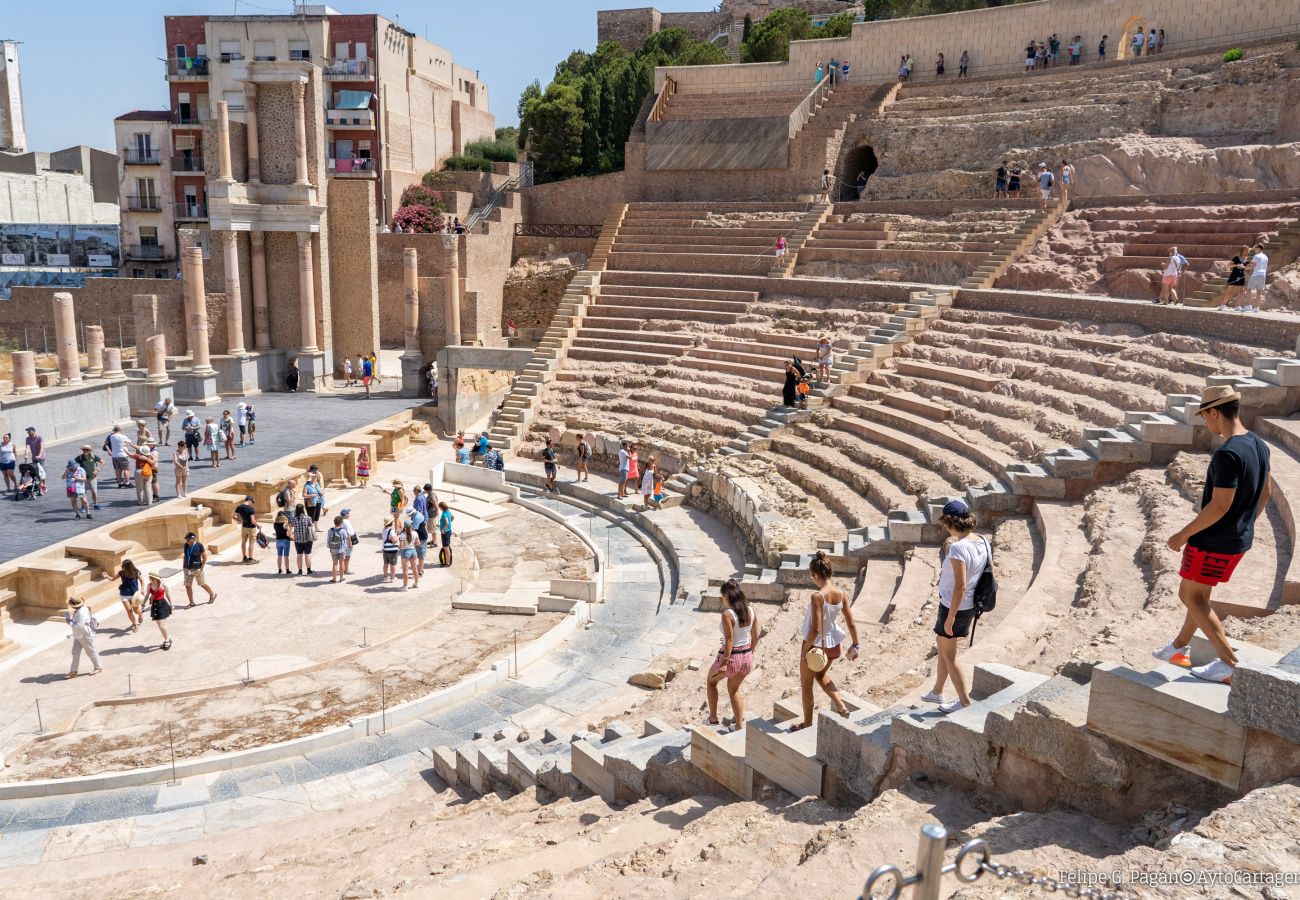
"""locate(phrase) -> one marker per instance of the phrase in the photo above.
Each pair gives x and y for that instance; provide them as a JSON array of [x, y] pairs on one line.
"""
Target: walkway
[[286, 423]]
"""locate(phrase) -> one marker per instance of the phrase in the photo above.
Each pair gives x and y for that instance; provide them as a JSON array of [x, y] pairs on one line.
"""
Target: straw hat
[[1217, 395], [75, 602], [155, 575]]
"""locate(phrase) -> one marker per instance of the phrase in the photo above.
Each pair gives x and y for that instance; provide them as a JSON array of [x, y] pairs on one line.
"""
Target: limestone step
[[789, 758], [587, 760], [659, 762], [1110, 445], [1276, 370], [1070, 462], [461, 502], [976, 381], [514, 602], [1159, 428], [721, 756]]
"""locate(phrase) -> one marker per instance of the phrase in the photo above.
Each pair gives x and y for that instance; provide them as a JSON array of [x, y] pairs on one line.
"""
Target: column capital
[[258, 238], [304, 239], [250, 91], [299, 89]]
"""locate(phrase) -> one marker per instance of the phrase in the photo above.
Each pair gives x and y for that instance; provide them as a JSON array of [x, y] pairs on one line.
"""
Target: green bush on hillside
[[497, 151], [467, 164], [1233, 55]]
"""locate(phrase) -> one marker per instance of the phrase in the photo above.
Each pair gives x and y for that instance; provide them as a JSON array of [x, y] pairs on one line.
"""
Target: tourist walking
[[74, 481], [1254, 287], [735, 659], [340, 546], [648, 485], [152, 450], [390, 548], [967, 556], [407, 542], [128, 591], [1151, 42], [212, 441], [1173, 270], [374, 368], [9, 461], [181, 468], [143, 475], [902, 68], [83, 625], [1101, 48], [396, 497], [1139, 40], [444, 534], [283, 541], [353, 540], [780, 247], [1236, 285], [1076, 49], [92, 465], [313, 497], [582, 458], [827, 180], [36, 454], [1045, 182], [1000, 181], [493, 460], [241, 420], [159, 600], [419, 521], [963, 64], [1013, 181], [821, 639], [633, 467], [1160, 41], [118, 448], [367, 374], [163, 411], [247, 515], [194, 561], [192, 428], [1031, 56], [303, 536], [939, 66], [623, 458], [228, 434], [1054, 49], [861, 184], [1236, 491], [291, 376], [1066, 181], [347, 371], [818, 73], [825, 358], [363, 466], [549, 465], [251, 418]]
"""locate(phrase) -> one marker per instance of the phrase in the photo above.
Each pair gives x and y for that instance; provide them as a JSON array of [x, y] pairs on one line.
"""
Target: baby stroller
[[29, 483], [804, 386]]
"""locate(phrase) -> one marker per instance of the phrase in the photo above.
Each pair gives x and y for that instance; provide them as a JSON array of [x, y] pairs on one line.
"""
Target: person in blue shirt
[[444, 534], [367, 372], [420, 523]]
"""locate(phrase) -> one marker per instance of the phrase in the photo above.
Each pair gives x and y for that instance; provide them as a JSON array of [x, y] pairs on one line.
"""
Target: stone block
[[857, 751], [631, 765], [588, 767], [722, 758], [660, 671], [444, 764], [1266, 698]]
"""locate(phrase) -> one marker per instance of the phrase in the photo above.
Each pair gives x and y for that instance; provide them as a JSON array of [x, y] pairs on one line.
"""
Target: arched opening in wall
[[1125, 48], [860, 160]]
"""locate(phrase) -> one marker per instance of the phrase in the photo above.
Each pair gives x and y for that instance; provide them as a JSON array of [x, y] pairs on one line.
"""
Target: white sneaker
[[1222, 307], [932, 697], [1218, 671], [951, 706], [1179, 656]]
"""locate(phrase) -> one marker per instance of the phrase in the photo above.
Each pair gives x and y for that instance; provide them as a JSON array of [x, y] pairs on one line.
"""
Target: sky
[[85, 62]]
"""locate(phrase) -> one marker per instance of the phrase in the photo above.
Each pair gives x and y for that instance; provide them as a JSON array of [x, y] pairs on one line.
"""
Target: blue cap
[[956, 508]]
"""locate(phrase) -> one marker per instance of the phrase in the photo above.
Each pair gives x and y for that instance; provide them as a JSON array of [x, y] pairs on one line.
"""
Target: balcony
[[191, 211], [350, 118], [193, 117], [148, 252], [134, 156], [363, 168], [188, 67], [143, 204], [184, 163], [337, 69]]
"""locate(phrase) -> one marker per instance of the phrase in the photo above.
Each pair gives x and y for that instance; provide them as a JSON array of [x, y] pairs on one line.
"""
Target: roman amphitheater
[[531, 721]]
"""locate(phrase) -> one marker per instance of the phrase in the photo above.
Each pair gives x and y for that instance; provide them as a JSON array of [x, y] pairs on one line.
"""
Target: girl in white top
[[8, 461], [648, 485], [963, 564], [825, 358], [735, 659], [821, 628]]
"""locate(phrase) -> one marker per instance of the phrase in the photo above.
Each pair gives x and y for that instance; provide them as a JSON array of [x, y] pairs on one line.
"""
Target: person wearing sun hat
[[82, 624], [1236, 492]]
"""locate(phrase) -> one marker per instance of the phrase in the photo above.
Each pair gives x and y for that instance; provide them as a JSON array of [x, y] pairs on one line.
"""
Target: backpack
[[333, 538], [282, 498], [499, 463], [986, 591]]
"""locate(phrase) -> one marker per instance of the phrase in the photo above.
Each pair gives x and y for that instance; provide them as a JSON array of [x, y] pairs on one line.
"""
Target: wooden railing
[[804, 111], [661, 102]]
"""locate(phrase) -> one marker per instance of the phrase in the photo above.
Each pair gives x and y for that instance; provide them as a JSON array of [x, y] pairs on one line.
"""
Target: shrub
[[419, 195], [1232, 55], [467, 164], [496, 151], [438, 181], [420, 219]]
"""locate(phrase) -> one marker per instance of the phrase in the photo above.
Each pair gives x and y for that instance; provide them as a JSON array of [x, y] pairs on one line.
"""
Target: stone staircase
[[1282, 250], [1025, 236], [783, 266]]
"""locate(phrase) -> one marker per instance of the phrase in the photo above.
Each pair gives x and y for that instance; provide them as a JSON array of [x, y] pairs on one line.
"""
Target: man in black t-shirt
[[1236, 491], [247, 516], [548, 462]]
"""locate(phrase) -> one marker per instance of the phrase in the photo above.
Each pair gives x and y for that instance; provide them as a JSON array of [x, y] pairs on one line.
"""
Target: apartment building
[[389, 105]]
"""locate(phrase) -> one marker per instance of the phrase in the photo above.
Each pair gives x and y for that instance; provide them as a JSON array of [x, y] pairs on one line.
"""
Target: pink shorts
[[1169, 279], [740, 664]]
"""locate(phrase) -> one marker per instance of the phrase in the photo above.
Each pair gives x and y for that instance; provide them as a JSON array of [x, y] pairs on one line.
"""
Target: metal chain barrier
[[973, 860]]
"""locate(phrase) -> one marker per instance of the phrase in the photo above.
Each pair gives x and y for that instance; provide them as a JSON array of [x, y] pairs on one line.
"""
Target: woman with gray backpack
[[966, 589], [339, 542]]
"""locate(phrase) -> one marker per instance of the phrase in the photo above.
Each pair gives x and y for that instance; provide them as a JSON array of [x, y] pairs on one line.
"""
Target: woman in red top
[[633, 469], [159, 601]]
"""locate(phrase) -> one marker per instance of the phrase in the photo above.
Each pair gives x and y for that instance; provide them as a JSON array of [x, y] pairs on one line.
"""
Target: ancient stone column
[[94, 351], [157, 357], [196, 311], [113, 364], [223, 141], [24, 362], [299, 132], [234, 297], [261, 311], [451, 288], [411, 283], [250, 119], [307, 293], [65, 339]]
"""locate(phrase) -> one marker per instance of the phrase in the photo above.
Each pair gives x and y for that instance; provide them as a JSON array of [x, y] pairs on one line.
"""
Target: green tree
[[836, 26], [769, 40], [508, 133], [555, 132], [590, 99], [531, 92], [702, 53]]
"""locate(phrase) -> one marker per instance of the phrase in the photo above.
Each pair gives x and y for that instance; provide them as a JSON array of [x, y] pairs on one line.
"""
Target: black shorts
[[446, 538], [303, 547], [550, 468], [960, 625], [313, 512]]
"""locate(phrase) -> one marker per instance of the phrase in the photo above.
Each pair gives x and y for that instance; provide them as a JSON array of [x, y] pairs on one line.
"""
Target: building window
[[231, 51], [137, 273], [180, 51], [299, 50], [148, 236], [264, 51], [234, 99]]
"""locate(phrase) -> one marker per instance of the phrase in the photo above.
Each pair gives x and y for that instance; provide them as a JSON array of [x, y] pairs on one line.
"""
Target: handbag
[[815, 659], [355, 540], [261, 539]]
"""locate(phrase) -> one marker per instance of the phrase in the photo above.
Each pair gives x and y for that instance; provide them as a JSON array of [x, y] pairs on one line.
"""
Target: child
[[252, 424], [363, 466], [159, 600], [75, 478]]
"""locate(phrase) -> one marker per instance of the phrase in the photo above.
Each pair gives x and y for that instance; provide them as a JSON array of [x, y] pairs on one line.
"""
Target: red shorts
[[1204, 567]]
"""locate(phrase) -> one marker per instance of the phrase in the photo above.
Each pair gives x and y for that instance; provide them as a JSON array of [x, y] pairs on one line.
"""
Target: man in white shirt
[[1258, 278], [163, 411], [118, 447], [1045, 182], [1169, 280]]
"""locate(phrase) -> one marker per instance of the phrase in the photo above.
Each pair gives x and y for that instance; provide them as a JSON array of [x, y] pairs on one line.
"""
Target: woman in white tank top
[[735, 659], [821, 628]]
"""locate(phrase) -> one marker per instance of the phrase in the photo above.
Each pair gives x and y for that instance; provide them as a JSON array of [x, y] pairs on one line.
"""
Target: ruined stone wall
[[470, 124], [275, 110], [485, 257], [576, 201], [531, 302], [353, 267], [700, 25], [103, 301], [390, 290], [628, 27], [550, 246]]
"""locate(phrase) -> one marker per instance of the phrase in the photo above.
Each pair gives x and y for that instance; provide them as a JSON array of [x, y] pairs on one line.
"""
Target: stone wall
[[391, 291], [470, 124], [64, 413], [628, 27], [353, 267], [485, 259], [577, 201], [531, 302], [700, 25], [52, 198], [550, 246], [103, 301]]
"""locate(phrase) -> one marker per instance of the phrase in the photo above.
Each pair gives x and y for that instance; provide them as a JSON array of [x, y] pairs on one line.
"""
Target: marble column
[[412, 357], [451, 288], [261, 310], [94, 351], [250, 120], [223, 142], [24, 362], [307, 292], [234, 297], [196, 311], [65, 339], [156, 345], [299, 132], [113, 364]]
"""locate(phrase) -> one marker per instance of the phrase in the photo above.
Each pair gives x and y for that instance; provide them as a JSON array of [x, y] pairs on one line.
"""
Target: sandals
[[167, 644]]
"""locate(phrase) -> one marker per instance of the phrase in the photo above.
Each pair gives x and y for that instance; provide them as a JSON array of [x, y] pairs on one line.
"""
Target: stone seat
[[592, 354], [976, 381], [736, 306], [1283, 436], [868, 257], [103, 553], [715, 361], [789, 758], [1221, 251], [1163, 240], [1120, 262], [912, 435], [632, 342], [613, 287], [222, 504], [621, 334], [604, 313], [703, 244], [713, 263], [673, 234], [722, 758]]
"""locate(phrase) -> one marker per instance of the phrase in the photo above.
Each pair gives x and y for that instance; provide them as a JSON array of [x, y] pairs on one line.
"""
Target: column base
[[237, 374], [412, 381], [194, 388], [314, 375], [92, 373], [25, 391], [142, 396]]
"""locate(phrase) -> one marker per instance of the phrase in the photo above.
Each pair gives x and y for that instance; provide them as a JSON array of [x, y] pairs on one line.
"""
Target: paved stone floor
[[285, 423]]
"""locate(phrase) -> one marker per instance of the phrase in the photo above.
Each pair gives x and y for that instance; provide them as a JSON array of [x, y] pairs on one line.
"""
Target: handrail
[[661, 102], [522, 180], [808, 105]]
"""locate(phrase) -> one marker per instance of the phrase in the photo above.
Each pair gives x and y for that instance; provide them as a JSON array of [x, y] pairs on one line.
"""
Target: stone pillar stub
[[250, 119], [156, 357], [234, 297], [144, 310], [65, 339], [261, 308], [113, 364], [223, 142], [24, 363], [412, 358], [196, 311], [94, 351]]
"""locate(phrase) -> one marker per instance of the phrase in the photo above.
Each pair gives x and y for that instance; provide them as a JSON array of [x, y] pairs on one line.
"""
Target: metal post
[[929, 862], [121, 341], [40, 723], [26, 344], [171, 741], [248, 671], [363, 637], [45, 340], [383, 701], [516, 653], [129, 692], [83, 334]]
